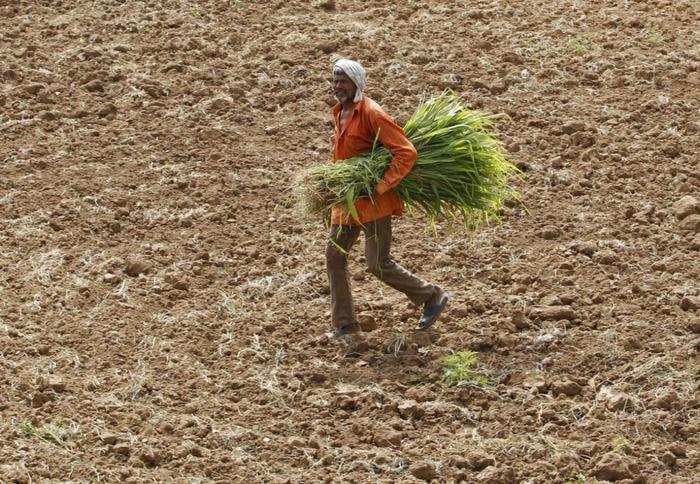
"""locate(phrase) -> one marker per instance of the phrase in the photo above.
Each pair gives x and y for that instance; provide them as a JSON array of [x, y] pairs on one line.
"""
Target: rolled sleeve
[[404, 154]]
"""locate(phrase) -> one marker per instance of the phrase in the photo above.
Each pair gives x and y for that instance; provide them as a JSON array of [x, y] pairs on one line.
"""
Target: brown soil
[[162, 306]]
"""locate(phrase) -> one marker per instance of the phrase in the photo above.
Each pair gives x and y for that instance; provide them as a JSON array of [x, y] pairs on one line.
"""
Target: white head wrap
[[355, 72]]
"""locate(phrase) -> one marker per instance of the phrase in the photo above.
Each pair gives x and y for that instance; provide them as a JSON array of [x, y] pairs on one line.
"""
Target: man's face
[[343, 88]]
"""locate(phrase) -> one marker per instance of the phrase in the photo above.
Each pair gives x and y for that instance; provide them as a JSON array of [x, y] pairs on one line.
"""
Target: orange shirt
[[367, 121]]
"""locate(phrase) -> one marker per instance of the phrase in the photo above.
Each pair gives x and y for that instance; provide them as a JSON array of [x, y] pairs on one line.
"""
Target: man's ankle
[[345, 330], [438, 292]]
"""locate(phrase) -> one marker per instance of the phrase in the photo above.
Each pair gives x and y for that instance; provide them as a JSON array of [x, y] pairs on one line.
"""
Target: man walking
[[359, 121]]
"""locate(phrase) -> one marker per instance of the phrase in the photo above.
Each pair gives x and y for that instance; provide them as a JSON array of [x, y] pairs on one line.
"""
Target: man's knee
[[335, 258], [378, 267]]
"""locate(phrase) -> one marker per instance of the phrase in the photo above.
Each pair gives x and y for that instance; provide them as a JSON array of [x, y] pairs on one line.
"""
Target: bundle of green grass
[[461, 173]]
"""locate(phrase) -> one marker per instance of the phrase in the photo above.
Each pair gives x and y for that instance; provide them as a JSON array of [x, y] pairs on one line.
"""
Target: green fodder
[[461, 172]]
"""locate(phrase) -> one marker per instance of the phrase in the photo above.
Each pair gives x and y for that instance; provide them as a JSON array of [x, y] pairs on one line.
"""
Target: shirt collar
[[355, 108]]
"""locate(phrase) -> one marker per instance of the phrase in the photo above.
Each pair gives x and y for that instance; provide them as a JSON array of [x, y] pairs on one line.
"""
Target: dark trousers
[[379, 263]]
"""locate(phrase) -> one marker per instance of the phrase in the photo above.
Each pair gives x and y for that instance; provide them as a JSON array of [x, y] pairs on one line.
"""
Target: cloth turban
[[355, 72]]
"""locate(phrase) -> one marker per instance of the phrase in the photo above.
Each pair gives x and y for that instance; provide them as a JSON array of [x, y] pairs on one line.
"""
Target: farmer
[[359, 121]]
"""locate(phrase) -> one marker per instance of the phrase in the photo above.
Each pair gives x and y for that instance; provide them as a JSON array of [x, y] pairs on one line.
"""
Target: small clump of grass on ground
[[53, 433], [459, 369]]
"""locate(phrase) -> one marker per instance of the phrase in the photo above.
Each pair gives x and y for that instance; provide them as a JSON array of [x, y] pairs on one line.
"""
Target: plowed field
[[163, 305]]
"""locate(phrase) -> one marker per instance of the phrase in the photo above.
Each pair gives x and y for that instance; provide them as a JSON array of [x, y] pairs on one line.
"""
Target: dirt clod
[[108, 438], [496, 475], [566, 387], [150, 457], [605, 256], [685, 206], [135, 267], [389, 438], [550, 232], [519, 320], [690, 303], [43, 349], [583, 247], [691, 223], [296, 442], [33, 88], [573, 127], [410, 409], [189, 448], [55, 383], [552, 313], [325, 4], [420, 394], [121, 449], [615, 400], [612, 467], [669, 458], [678, 450], [95, 85], [478, 461], [512, 58], [107, 110], [367, 322], [424, 471], [110, 278]]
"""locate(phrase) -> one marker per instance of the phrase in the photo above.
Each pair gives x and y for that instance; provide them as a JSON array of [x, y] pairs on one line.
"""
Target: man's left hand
[[381, 188]]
